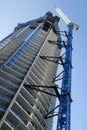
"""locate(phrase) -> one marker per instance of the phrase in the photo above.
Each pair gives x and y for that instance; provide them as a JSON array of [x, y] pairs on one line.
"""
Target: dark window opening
[[46, 26]]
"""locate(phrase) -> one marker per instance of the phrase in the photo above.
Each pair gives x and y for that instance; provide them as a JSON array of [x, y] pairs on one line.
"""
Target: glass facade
[[21, 107]]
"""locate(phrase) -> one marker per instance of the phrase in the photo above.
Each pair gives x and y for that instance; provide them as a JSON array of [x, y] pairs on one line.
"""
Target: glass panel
[[26, 34]]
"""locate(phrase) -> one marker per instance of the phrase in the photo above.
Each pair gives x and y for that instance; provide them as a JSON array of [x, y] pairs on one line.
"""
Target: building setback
[[23, 107]]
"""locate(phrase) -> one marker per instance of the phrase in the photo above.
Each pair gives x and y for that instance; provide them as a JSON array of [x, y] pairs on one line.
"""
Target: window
[[46, 26]]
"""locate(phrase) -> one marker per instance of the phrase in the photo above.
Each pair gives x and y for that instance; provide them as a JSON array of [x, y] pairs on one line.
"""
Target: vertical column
[[65, 97]]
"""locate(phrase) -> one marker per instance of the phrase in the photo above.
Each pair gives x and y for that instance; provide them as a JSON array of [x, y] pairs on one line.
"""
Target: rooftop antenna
[[64, 113]]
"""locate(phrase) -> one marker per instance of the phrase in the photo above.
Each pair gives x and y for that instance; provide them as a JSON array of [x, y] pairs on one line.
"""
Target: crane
[[64, 17], [64, 113]]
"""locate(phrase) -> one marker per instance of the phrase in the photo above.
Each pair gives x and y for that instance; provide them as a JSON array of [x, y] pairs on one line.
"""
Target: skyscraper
[[25, 72]]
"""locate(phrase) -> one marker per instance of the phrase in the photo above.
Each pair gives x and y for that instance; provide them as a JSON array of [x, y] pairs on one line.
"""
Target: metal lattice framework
[[65, 98]]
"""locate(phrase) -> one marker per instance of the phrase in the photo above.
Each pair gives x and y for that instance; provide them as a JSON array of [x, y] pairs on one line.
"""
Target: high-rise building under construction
[[25, 73]]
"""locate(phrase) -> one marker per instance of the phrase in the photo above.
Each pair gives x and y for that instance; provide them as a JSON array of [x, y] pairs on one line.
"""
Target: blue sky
[[13, 12]]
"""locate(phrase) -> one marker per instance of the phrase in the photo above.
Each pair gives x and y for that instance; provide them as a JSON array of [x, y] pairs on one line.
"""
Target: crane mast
[[62, 15], [64, 113]]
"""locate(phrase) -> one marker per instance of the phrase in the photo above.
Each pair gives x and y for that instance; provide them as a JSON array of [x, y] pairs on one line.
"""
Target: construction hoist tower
[[63, 122]]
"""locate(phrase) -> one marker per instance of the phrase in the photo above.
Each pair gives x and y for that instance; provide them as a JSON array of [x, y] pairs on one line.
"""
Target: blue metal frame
[[64, 113]]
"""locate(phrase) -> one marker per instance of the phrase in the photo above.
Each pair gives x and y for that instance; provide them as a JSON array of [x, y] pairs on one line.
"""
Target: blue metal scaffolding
[[63, 122]]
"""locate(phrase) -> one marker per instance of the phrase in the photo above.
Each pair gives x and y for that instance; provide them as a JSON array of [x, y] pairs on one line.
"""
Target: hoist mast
[[64, 112]]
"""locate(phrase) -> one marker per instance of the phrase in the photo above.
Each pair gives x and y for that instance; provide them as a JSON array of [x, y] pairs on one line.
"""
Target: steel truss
[[65, 101]]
